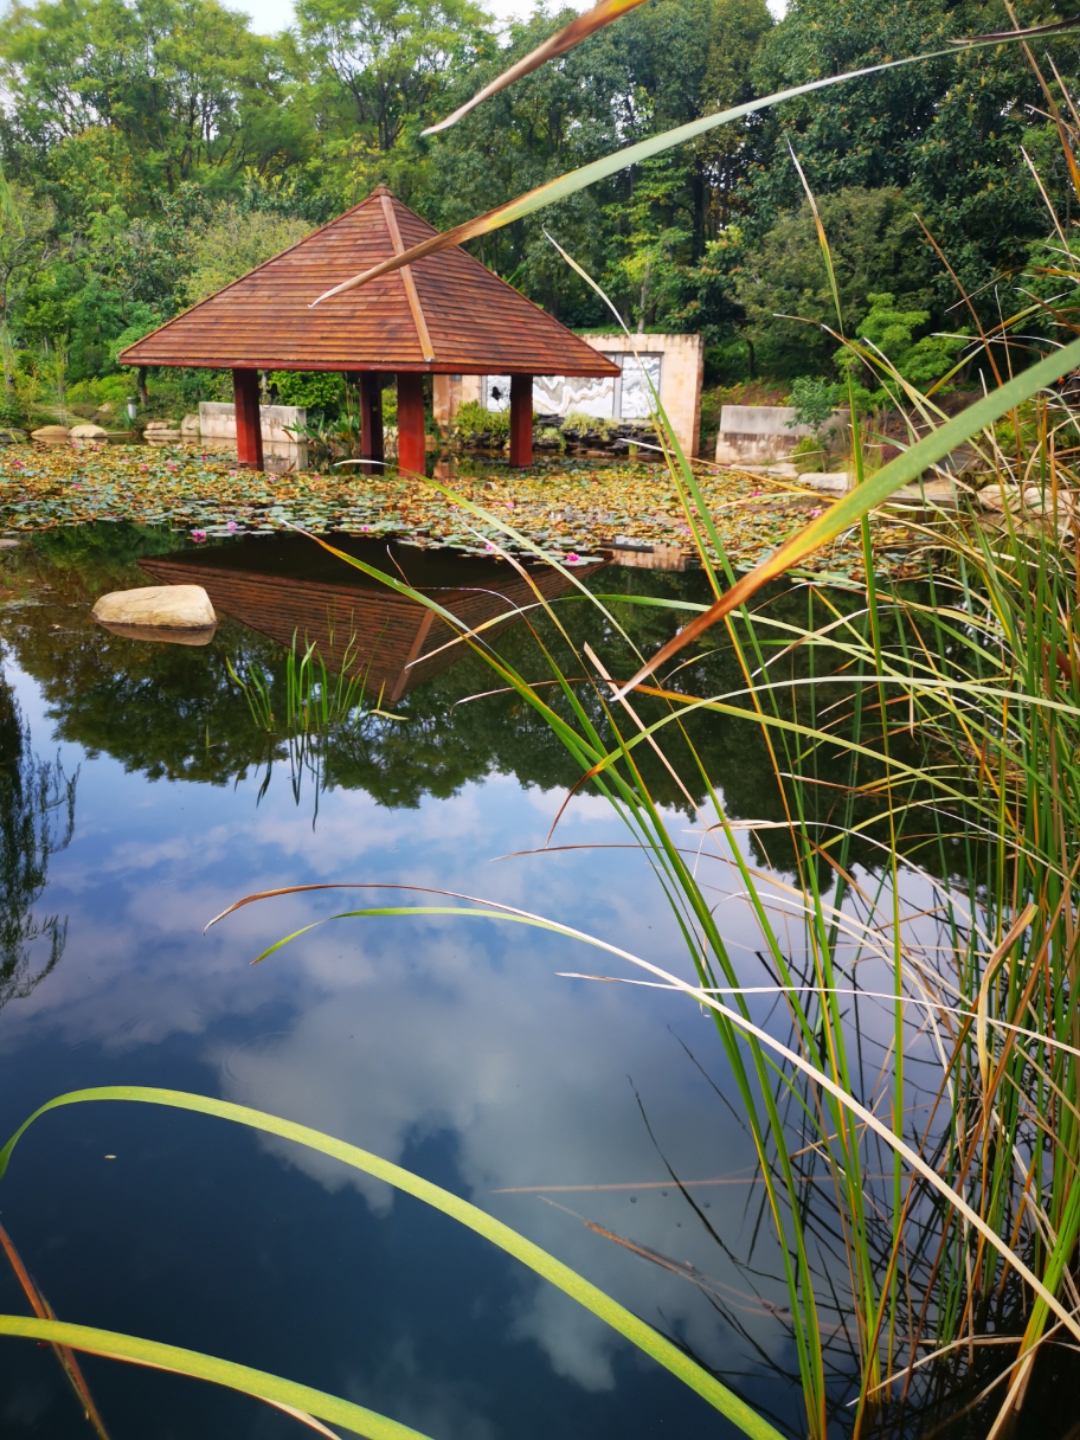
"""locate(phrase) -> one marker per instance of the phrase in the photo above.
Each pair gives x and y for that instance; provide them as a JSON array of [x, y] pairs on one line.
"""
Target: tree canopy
[[153, 150]]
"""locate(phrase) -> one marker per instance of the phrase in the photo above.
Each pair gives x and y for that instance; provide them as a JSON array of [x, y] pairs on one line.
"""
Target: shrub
[[808, 455], [473, 419], [813, 401], [313, 389]]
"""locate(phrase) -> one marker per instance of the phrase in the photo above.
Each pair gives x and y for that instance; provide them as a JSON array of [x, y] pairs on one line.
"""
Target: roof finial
[[381, 190]]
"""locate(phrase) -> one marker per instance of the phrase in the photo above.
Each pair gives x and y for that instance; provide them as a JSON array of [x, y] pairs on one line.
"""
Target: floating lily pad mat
[[566, 510]]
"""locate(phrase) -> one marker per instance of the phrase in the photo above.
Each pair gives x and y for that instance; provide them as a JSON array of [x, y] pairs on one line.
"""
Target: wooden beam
[[371, 424], [249, 446], [419, 319], [521, 420], [410, 414]]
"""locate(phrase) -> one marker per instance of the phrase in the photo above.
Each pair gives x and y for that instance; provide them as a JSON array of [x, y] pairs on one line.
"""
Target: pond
[[598, 1119]]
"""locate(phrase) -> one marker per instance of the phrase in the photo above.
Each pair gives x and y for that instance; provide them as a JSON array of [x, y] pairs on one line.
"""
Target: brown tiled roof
[[289, 587], [446, 314]]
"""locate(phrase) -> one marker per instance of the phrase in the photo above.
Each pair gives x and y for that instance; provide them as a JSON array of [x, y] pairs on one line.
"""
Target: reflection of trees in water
[[175, 712], [37, 816]]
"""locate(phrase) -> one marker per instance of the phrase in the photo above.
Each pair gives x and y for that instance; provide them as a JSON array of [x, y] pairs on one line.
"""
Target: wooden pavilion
[[447, 314]]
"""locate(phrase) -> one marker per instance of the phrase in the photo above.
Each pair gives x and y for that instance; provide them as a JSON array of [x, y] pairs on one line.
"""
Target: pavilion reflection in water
[[286, 585]]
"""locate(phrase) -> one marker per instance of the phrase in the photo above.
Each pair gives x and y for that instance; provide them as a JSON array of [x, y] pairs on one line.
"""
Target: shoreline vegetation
[[566, 510]]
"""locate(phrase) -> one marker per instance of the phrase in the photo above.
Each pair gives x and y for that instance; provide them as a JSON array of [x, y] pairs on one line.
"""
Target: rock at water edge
[[179, 607]]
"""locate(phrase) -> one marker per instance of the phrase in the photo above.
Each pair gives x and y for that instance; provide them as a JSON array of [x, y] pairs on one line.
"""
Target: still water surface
[[454, 1048]]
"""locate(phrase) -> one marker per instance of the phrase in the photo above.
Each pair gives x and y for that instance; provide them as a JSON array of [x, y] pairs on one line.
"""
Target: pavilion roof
[[445, 314]]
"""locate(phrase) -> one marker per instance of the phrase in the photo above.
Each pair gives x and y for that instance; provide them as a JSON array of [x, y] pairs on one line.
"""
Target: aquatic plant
[[316, 698]]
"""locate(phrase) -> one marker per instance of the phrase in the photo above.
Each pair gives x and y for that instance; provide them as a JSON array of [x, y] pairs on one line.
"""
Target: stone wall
[[761, 434], [677, 362], [217, 427], [682, 369]]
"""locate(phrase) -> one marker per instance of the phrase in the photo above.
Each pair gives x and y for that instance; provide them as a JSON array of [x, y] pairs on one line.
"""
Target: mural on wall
[[636, 395], [608, 398]]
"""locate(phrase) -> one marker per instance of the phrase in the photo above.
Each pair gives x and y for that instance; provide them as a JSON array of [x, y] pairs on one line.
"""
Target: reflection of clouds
[[434, 1407], [530, 1078], [392, 1031]]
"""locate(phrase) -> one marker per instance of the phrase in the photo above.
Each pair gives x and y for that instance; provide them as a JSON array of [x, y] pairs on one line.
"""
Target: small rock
[[10, 436], [89, 432], [160, 425], [52, 435], [190, 426], [177, 607]]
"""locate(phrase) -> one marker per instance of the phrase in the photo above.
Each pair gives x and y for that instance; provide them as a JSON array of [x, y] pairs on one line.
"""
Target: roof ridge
[[419, 319]]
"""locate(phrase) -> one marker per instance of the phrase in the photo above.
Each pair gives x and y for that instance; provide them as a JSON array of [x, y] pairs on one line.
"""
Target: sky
[[269, 16]]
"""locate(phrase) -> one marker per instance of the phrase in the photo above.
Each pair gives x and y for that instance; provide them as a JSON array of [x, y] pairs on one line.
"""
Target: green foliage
[[809, 455], [473, 419], [890, 331], [156, 151], [314, 389], [813, 401], [872, 235], [233, 241]]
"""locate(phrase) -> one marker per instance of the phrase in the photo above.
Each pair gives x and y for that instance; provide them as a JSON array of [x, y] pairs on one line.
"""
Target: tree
[[27, 240], [378, 65], [233, 241], [185, 83], [874, 240], [948, 132]]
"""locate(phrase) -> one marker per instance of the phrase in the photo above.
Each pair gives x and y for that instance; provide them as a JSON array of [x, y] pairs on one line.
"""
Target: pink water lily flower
[[573, 559], [233, 527], [198, 536]]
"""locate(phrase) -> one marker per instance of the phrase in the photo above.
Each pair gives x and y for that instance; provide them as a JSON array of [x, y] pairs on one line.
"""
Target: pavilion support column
[[410, 414], [521, 420], [249, 446], [371, 426]]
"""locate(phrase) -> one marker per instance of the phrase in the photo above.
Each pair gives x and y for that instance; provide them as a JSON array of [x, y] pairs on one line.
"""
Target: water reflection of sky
[[451, 1046]]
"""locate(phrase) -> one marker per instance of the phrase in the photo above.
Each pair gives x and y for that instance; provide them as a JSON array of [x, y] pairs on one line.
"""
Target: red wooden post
[[249, 447], [521, 420], [371, 431], [410, 419]]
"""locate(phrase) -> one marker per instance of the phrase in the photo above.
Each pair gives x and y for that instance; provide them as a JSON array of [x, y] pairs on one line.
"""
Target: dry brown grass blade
[[569, 36], [1053, 28], [43, 1310]]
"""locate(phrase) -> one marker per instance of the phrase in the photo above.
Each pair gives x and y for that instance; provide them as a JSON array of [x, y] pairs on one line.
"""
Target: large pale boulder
[[190, 428], [52, 435], [89, 432], [169, 607]]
